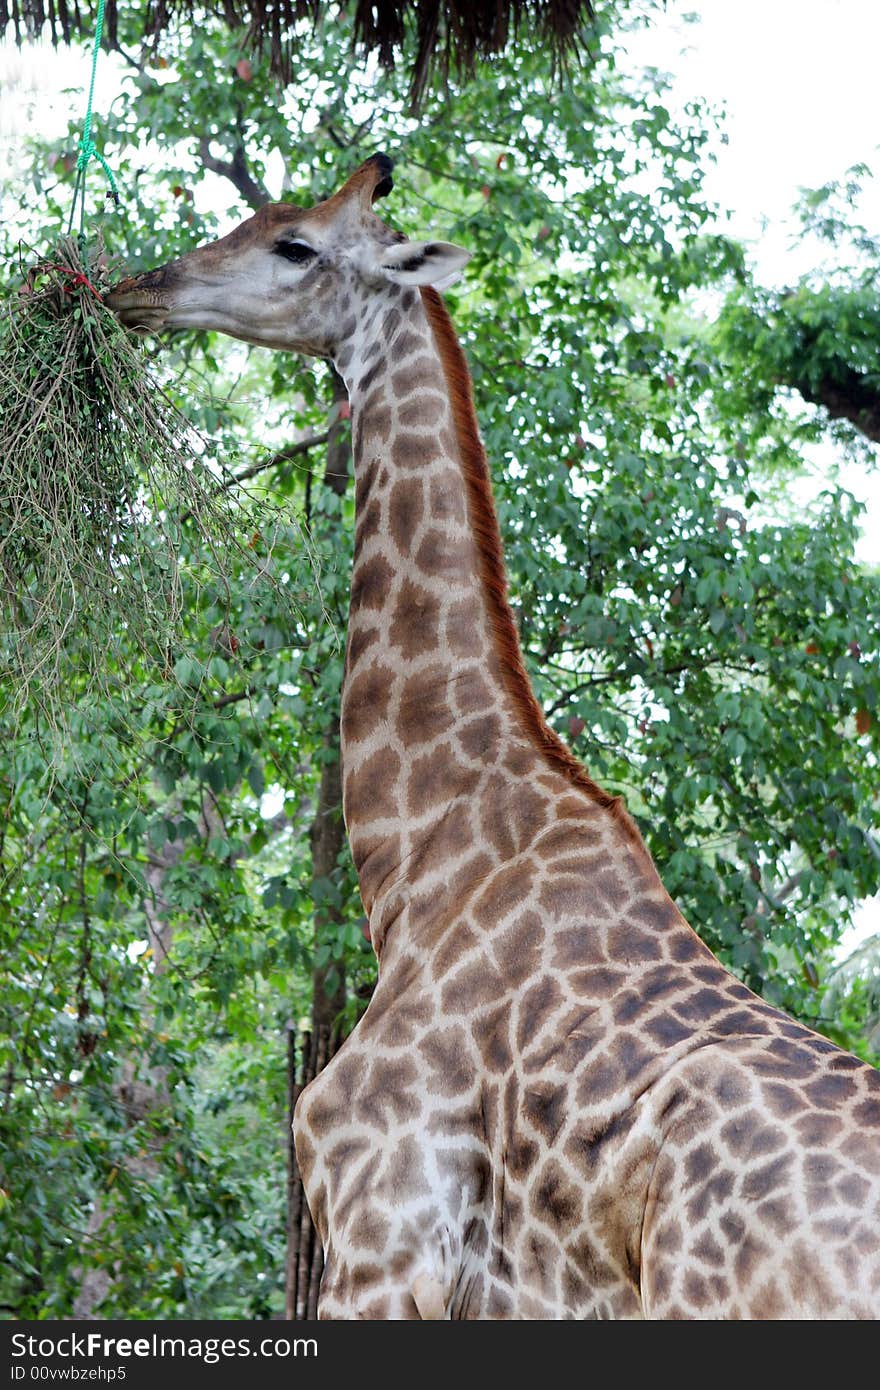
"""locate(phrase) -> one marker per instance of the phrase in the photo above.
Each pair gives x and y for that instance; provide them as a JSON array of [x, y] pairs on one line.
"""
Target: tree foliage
[[708, 655]]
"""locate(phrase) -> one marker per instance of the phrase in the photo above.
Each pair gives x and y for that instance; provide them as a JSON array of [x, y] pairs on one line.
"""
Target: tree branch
[[274, 460], [251, 190], [848, 399]]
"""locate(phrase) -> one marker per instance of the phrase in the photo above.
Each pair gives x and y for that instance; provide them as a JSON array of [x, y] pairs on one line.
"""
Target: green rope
[[87, 146]]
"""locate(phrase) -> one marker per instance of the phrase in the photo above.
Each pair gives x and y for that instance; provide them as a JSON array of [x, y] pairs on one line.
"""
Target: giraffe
[[558, 1103]]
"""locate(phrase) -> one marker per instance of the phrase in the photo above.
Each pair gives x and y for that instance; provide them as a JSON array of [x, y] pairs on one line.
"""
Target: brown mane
[[484, 521]]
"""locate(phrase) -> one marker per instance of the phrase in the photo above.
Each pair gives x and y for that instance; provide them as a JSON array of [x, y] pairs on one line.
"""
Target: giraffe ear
[[437, 263]]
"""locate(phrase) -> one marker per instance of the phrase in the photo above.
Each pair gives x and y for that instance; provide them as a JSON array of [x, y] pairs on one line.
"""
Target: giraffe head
[[291, 278]]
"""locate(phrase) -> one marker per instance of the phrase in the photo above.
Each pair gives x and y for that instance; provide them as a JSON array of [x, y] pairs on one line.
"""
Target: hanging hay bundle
[[444, 34], [100, 487]]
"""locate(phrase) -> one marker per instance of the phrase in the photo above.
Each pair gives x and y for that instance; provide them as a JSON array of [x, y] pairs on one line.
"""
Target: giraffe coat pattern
[[558, 1103]]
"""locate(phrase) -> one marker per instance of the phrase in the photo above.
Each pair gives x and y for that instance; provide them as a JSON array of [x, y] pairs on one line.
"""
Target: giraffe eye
[[296, 251]]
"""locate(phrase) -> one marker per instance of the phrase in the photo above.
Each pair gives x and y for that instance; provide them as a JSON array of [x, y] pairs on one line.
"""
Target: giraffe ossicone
[[558, 1104]]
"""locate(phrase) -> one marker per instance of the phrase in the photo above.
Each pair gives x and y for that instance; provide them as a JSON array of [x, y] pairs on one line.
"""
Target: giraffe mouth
[[139, 307]]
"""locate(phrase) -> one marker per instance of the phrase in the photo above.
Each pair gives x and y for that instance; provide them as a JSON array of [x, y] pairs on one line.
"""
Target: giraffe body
[[558, 1104]]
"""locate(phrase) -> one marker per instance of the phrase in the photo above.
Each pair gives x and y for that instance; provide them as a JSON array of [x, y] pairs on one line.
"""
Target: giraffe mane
[[486, 530]]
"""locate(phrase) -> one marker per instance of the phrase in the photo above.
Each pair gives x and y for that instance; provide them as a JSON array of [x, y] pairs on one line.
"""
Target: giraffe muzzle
[[139, 303]]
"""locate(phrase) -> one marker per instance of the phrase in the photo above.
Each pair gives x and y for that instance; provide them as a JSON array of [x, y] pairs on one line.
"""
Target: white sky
[[799, 85], [798, 82]]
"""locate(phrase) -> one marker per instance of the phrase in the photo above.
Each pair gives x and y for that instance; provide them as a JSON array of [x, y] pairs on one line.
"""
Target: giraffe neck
[[445, 751]]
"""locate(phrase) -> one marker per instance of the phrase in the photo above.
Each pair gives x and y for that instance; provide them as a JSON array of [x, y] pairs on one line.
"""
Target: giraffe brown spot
[[661, 915], [508, 888], [423, 711], [476, 1237], [491, 1033], [445, 557], [778, 1216], [369, 378], [446, 497], [853, 1189], [370, 788], [518, 950], [862, 1150], [403, 1023], [367, 526], [452, 947], [364, 1275], [405, 510], [701, 1006], [627, 1008], [752, 1251], [373, 425], [520, 759], [567, 839], [747, 1136], [499, 1304], [406, 1170], [599, 1083], [867, 1113], [600, 981], [414, 628], [374, 1231], [363, 484], [409, 342], [784, 1062], [420, 375], [428, 410], [817, 1131], [708, 1251], [628, 943], [578, 946], [695, 1289], [666, 1238], [447, 1053], [530, 814], [565, 897], [462, 631], [436, 779], [555, 1198], [387, 1095], [495, 827], [472, 694], [699, 1163], [765, 1180], [806, 1280], [661, 1284], [473, 986], [685, 946], [545, 1107], [366, 702], [782, 1101], [594, 1268], [411, 450], [360, 641], [376, 858], [715, 1192], [834, 1229], [459, 1123], [448, 841], [480, 738], [474, 870], [522, 1155], [665, 1030], [371, 583], [539, 1003]]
